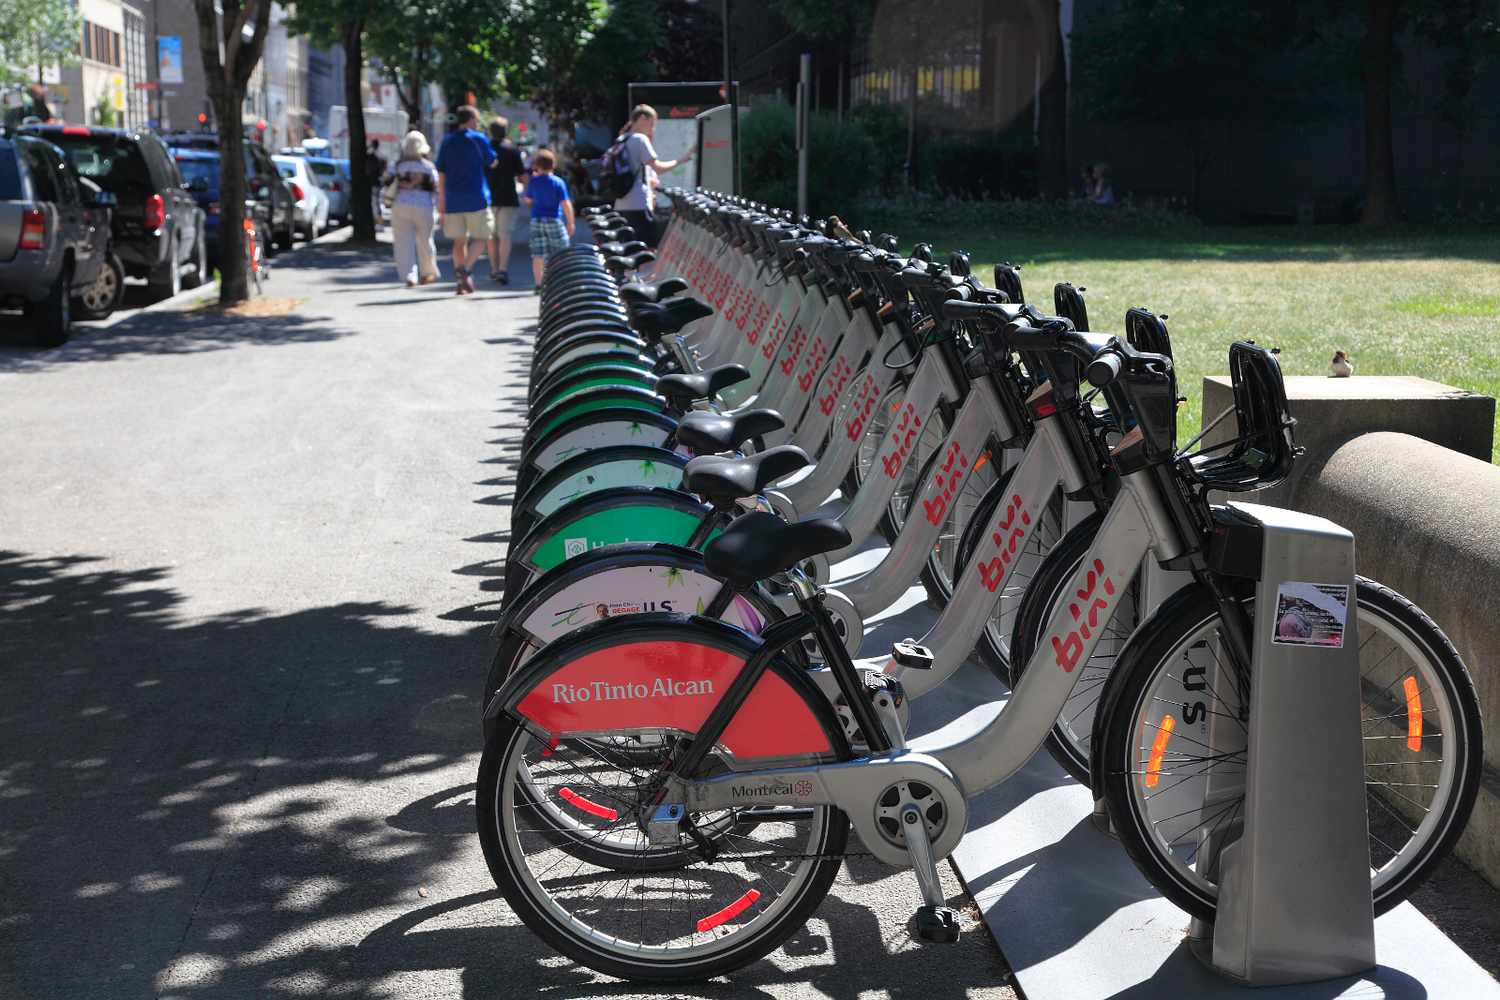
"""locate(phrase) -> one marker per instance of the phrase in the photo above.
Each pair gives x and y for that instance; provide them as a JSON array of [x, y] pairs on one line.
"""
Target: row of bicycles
[[683, 720]]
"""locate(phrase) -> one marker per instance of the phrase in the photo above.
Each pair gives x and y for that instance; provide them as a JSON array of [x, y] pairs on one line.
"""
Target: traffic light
[[202, 120]]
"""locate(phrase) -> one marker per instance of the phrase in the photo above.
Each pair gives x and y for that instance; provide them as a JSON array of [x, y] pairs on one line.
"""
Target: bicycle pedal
[[935, 924], [908, 654]]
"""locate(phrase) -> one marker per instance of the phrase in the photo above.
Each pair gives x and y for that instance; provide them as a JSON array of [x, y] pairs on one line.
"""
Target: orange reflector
[[577, 801], [1413, 714], [1159, 747], [729, 912], [979, 462]]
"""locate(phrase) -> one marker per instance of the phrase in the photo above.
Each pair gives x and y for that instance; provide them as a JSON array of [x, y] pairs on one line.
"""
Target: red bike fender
[[668, 684]]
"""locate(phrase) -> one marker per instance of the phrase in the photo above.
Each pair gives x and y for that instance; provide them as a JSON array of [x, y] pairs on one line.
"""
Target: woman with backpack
[[630, 169]]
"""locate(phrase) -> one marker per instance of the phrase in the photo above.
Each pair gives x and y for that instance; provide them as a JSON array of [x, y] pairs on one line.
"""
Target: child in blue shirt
[[551, 212]]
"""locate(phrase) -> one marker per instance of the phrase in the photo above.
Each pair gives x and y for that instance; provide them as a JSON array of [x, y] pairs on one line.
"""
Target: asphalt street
[[246, 566]]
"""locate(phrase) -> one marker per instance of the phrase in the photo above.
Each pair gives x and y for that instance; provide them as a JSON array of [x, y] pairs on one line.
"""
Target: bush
[[912, 217], [886, 126], [839, 164], [986, 165]]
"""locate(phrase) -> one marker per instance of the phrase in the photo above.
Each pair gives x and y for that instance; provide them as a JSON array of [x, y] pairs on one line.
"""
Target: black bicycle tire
[[1186, 612], [811, 893]]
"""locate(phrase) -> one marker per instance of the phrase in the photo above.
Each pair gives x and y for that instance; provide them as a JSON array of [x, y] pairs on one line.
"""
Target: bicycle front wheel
[[561, 825], [1422, 741]]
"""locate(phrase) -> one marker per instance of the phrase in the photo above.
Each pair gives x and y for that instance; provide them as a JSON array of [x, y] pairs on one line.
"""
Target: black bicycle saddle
[[682, 390], [760, 545], [725, 480], [711, 433]]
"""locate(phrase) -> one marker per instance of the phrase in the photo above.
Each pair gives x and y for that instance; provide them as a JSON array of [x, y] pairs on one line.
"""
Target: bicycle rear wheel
[[1422, 733]]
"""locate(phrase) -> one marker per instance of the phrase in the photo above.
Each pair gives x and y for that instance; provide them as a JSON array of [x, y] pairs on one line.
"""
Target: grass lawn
[[1406, 302]]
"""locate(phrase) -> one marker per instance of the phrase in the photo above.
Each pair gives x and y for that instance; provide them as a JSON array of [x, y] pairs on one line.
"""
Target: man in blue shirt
[[463, 195]]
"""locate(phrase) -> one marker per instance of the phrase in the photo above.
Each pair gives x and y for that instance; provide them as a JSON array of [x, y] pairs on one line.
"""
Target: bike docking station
[[1075, 918], [1294, 886]]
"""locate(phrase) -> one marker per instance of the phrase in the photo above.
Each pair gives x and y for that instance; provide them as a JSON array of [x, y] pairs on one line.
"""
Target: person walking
[[375, 170], [414, 212], [551, 212], [463, 194], [505, 178], [639, 203]]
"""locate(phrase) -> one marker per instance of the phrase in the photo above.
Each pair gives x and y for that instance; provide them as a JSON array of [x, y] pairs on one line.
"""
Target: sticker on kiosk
[[1311, 614]]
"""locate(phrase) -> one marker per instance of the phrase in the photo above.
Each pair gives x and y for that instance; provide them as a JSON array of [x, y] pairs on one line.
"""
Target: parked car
[[262, 183], [312, 200], [54, 234], [200, 168], [157, 225], [334, 176]]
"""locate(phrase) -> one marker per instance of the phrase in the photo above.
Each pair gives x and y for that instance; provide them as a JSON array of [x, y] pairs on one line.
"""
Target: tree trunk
[[1380, 167], [361, 184], [1052, 131], [234, 283]]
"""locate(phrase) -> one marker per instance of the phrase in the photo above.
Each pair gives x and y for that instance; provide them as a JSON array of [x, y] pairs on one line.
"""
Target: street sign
[[169, 58]]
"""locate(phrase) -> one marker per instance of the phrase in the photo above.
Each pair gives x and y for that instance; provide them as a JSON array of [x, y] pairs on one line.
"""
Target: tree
[[342, 22], [1199, 64], [37, 34], [462, 45], [1364, 34], [241, 31], [1052, 117]]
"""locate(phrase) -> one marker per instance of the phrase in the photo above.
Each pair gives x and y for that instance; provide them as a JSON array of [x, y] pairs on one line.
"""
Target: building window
[[102, 45]]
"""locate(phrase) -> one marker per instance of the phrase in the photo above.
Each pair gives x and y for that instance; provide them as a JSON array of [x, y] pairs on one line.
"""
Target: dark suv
[[200, 167], [158, 226], [263, 183]]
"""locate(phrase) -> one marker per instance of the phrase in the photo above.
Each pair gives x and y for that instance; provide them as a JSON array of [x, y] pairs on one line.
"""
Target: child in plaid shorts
[[551, 212]]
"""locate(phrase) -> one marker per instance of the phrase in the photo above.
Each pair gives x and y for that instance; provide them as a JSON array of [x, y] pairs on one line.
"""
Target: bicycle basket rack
[[1068, 302], [1145, 331], [1008, 280], [1262, 453]]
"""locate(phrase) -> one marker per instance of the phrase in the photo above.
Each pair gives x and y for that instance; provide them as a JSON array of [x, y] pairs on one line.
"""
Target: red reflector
[[156, 212], [297, 192], [33, 230], [75, 130], [577, 801], [729, 912], [336, 186], [1044, 409]]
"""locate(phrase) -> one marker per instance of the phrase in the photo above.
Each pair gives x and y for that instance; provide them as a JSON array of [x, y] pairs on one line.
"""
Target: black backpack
[[616, 175]]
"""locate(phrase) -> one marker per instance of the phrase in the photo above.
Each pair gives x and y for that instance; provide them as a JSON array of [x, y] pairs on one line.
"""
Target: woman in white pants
[[414, 212]]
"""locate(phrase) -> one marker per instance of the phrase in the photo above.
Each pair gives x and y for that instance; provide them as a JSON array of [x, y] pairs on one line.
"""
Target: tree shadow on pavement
[[169, 332], [205, 807]]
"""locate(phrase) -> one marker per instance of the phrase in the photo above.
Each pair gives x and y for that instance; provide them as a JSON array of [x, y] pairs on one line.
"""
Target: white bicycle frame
[[976, 753]]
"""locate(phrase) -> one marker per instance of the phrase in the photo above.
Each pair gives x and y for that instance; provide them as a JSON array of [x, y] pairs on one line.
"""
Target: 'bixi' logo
[[574, 547]]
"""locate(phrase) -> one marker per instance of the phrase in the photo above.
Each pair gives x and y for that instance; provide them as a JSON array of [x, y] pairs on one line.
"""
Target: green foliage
[[104, 111], [912, 217], [839, 156], [827, 20], [1185, 61], [37, 33], [982, 165], [459, 44], [886, 127]]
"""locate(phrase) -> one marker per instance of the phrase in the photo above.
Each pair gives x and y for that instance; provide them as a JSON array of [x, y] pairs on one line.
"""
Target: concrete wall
[[1426, 524], [1404, 463]]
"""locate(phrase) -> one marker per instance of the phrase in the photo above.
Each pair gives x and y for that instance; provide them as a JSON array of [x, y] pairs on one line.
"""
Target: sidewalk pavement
[[246, 571]]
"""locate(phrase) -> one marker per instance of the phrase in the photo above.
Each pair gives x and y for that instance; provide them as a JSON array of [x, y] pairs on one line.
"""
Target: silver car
[[334, 175], [312, 200]]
